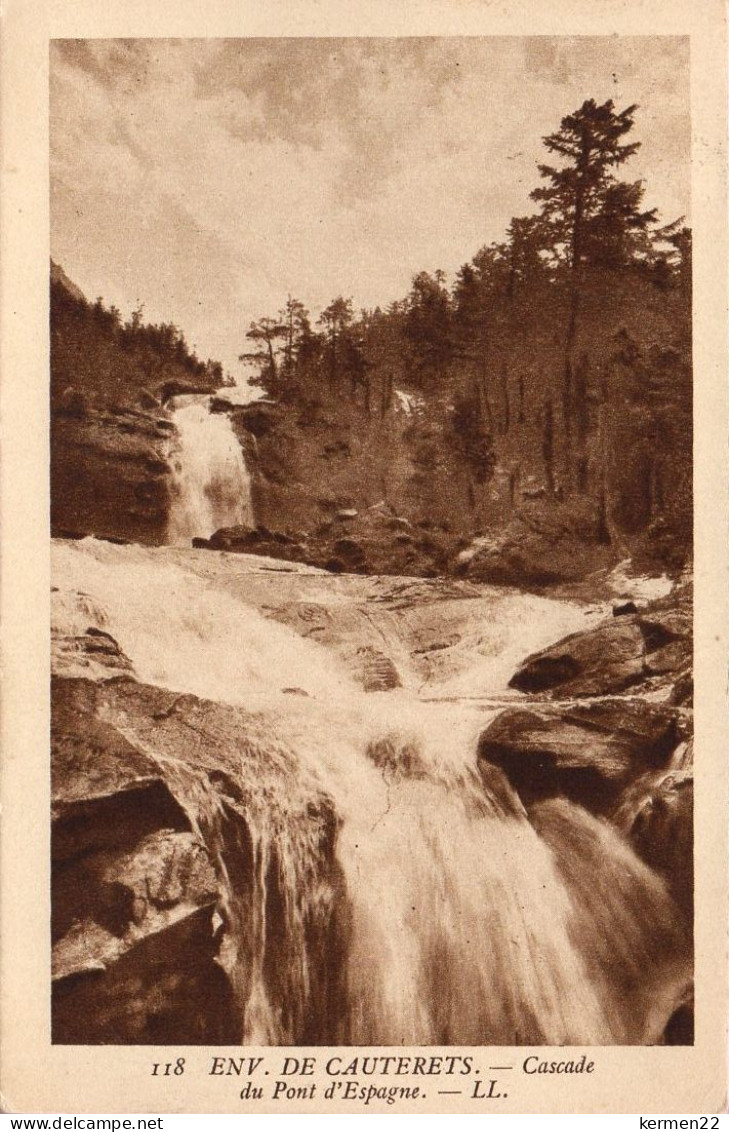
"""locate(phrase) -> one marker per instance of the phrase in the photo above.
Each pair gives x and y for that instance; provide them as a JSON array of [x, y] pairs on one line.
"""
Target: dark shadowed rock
[[587, 752], [378, 672], [350, 551], [180, 389], [669, 658], [165, 876], [154, 994], [73, 403], [259, 417], [680, 1029], [134, 893], [94, 651], [615, 655], [147, 400], [396, 759], [222, 405], [157, 804], [657, 816], [256, 540], [240, 538], [683, 689], [606, 659], [623, 608], [371, 542]]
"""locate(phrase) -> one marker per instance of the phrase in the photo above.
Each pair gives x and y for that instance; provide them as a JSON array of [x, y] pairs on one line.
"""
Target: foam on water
[[466, 923], [211, 486]]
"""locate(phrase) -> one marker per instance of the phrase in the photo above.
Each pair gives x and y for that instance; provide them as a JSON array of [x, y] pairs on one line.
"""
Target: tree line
[[110, 360]]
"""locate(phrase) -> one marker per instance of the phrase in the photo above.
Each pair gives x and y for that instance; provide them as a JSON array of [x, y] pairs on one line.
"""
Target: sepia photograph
[[372, 565]]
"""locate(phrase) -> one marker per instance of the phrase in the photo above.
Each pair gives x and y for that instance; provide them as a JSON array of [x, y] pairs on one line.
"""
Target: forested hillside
[[527, 421], [99, 360], [541, 400]]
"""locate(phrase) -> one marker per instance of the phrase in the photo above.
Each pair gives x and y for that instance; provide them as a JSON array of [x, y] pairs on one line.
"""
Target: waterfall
[[210, 485], [466, 923]]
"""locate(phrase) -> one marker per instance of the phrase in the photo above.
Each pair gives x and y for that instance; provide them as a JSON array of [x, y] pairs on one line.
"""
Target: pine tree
[[428, 329], [335, 319], [295, 318], [264, 334], [594, 221], [585, 207]]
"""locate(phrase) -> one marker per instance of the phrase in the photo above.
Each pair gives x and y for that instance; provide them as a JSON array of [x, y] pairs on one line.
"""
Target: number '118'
[[169, 1068]]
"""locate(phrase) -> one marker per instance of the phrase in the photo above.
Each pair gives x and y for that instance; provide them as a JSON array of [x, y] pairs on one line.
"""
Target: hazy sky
[[210, 178]]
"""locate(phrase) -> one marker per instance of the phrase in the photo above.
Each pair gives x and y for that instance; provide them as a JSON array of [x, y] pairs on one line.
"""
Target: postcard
[[364, 526]]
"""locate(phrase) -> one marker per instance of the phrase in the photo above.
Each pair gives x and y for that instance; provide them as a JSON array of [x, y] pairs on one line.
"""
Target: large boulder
[[255, 540], [93, 652], [615, 655], [608, 658], [587, 752], [166, 809], [134, 893], [134, 957]]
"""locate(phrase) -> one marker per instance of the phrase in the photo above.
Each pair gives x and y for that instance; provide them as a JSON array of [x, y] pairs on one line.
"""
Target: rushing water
[[211, 486], [463, 922], [372, 849]]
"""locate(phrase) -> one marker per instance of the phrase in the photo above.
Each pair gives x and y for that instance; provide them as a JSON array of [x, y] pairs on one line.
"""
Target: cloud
[[210, 178]]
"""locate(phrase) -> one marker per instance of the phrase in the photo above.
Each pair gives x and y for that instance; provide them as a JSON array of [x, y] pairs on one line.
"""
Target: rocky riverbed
[[241, 744]]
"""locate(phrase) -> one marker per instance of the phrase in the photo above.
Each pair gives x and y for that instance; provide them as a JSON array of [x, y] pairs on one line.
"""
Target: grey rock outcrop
[[620, 653], [587, 752]]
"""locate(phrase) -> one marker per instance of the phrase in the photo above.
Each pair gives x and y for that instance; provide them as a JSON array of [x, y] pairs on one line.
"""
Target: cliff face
[[110, 474], [110, 431], [134, 890], [392, 496], [310, 461]]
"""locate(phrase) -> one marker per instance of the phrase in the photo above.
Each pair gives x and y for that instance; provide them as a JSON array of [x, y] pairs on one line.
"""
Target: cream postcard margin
[[39, 1077]]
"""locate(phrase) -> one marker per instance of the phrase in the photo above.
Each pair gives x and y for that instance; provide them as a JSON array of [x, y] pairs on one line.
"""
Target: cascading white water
[[467, 924], [210, 486]]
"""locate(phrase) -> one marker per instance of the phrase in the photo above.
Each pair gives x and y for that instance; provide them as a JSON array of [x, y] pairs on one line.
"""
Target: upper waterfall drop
[[211, 486]]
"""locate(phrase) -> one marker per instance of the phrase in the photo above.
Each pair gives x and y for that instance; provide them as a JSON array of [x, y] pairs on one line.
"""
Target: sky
[[209, 179]]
